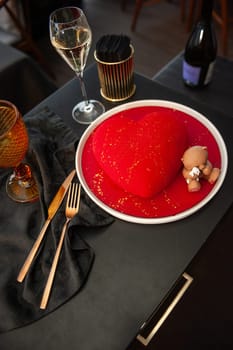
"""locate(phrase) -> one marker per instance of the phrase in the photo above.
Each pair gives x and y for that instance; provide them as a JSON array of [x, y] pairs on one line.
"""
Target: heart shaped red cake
[[141, 156]]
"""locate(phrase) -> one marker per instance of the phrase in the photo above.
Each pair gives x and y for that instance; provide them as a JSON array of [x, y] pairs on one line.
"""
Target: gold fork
[[72, 208]]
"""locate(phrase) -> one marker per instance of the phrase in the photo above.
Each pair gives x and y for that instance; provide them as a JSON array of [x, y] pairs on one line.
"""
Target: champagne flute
[[71, 36], [20, 185]]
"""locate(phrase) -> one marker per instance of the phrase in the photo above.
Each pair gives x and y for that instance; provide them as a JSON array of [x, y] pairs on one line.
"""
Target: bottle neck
[[207, 8]]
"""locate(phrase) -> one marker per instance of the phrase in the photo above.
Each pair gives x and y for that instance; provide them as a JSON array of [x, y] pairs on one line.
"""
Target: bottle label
[[209, 73], [191, 74]]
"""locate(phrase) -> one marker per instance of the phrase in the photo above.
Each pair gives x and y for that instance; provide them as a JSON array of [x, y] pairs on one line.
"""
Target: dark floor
[[159, 36]]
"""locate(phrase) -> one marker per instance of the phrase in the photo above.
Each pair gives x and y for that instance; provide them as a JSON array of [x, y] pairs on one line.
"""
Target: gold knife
[[53, 207]]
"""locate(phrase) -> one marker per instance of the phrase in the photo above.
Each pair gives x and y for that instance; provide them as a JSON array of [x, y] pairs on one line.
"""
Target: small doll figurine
[[197, 166]]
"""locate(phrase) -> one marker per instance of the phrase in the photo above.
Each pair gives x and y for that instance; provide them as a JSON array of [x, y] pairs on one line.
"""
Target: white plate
[[157, 103]]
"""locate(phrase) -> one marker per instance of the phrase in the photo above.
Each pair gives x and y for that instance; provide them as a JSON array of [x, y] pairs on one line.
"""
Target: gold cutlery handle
[[32, 252], [50, 279]]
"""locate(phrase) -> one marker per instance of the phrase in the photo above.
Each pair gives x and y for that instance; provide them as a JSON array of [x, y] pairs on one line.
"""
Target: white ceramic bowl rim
[[160, 103]]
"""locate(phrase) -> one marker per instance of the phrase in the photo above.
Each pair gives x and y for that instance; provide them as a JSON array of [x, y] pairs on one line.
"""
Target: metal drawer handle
[[146, 340]]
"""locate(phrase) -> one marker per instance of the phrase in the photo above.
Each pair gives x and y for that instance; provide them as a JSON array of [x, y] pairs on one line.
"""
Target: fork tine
[[77, 196], [78, 189], [68, 196], [72, 208], [73, 196]]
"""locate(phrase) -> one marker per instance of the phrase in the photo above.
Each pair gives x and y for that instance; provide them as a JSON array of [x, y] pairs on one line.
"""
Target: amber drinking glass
[[20, 185]]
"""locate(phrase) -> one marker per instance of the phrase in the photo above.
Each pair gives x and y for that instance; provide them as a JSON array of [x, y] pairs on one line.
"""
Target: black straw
[[113, 48]]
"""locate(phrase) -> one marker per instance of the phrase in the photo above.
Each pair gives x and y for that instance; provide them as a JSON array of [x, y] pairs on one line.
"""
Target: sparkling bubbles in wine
[[73, 45]]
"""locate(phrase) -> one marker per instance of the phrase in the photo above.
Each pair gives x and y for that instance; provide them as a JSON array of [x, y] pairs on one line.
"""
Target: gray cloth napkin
[[51, 156]]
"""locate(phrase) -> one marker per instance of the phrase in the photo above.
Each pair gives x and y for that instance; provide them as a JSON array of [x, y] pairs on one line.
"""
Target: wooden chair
[[194, 9], [25, 42], [222, 15], [137, 9]]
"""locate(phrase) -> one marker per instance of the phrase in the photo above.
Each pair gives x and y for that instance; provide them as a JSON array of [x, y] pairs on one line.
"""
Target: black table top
[[135, 265], [218, 94]]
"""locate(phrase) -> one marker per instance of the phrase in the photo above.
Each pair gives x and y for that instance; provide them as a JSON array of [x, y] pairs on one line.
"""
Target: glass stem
[[23, 175], [83, 88], [22, 172]]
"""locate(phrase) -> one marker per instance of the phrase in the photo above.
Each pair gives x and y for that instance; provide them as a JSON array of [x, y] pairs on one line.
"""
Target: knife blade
[[52, 209]]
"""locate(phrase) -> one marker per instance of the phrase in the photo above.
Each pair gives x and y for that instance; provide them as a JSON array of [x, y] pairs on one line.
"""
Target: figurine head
[[195, 156]]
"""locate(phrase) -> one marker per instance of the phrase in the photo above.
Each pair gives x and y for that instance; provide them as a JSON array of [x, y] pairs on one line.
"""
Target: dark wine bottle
[[201, 50]]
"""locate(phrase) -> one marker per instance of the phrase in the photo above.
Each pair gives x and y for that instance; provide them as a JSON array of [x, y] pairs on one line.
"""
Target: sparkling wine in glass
[[71, 36], [20, 185]]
